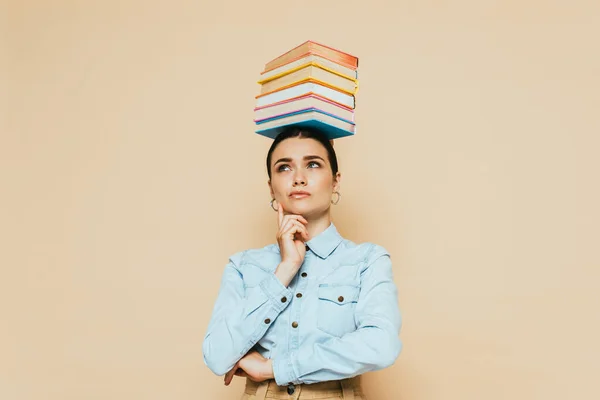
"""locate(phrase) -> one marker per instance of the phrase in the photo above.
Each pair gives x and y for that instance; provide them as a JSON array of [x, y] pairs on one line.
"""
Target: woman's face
[[302, 164]]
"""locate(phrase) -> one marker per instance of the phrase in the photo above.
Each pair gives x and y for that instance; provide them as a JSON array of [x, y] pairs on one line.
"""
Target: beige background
[[129, 172]]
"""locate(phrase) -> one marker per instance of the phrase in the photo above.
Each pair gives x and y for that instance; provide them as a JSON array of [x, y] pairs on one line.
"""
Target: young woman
[[303, 318]]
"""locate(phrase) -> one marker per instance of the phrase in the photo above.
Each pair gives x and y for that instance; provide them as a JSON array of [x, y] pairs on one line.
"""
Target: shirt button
[[304, 274], [283, 299], [298, 295], [341, 298], [294, 324], [267, 321]]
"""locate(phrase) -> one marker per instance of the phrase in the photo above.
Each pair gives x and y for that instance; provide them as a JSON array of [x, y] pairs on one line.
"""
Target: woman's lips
[[299, 195]]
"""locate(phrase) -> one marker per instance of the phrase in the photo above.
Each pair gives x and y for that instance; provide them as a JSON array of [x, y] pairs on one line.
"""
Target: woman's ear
[[337, 182]]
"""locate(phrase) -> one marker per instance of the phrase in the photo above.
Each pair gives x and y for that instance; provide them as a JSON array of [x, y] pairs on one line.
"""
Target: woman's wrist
[[285, 273], [270, 374]]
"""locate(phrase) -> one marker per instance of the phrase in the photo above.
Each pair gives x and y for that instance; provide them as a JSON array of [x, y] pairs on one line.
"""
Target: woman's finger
[[296, 226], [280, 214], [227, 378], [285, 228], [296, 217], [229, 375], [290, 224]]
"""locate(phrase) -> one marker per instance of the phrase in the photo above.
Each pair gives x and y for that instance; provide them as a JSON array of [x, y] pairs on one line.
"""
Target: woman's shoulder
[[367, 252], [260, 256]]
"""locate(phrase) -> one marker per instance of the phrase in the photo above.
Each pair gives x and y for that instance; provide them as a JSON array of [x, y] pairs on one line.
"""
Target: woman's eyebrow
[[310, 157]]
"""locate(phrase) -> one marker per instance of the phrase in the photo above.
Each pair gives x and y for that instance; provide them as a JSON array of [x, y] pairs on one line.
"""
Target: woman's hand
[[291, 237], [254, 366]]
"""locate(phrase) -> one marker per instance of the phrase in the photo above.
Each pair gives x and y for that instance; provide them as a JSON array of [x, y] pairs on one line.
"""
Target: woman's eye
[[283, 166]]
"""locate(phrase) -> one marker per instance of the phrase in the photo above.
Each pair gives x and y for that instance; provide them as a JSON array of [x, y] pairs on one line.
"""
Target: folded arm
[[240, 317], [374, 345]]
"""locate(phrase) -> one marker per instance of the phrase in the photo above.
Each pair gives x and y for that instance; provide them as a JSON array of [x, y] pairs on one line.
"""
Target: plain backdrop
[[130, 171]]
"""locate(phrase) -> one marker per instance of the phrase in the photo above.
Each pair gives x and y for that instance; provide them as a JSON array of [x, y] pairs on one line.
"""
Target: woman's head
[[303, 159]]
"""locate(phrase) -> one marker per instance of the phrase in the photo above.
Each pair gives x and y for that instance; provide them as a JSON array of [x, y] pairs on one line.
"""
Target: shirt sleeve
[[374, 345], [240, 317]]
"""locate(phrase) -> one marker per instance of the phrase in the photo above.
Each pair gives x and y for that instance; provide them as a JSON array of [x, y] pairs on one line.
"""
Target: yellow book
[[311, 70]]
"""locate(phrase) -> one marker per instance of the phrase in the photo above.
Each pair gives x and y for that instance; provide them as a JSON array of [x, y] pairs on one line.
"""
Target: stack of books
[[312, 85]]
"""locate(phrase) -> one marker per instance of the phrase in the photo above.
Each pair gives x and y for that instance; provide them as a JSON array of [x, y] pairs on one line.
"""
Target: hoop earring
[[339, 196], [276, 209]]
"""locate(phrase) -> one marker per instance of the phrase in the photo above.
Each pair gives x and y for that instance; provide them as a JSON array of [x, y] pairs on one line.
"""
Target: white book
[[305, 89], [302, 103]]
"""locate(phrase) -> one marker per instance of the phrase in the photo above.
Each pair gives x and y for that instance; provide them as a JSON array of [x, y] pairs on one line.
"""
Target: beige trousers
[[346, 389]]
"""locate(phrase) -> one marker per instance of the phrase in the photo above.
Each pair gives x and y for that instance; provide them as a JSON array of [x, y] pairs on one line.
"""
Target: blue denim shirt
[[338, 317]]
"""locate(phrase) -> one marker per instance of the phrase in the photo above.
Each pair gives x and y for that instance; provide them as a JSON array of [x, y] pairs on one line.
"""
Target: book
[[303, 88], [333, 127], [312, 85], [303, 102], [301, 111], [352, 73], [311, 47], [304, 72]]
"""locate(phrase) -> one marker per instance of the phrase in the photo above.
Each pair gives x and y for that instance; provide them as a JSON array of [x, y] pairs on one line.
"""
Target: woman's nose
[[299, 180]]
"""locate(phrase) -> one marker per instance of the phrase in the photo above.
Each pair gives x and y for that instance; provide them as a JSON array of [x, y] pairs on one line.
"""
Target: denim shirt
[[338, 317]]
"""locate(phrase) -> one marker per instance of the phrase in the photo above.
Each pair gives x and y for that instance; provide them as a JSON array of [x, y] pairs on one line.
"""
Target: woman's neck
[[318, 225]]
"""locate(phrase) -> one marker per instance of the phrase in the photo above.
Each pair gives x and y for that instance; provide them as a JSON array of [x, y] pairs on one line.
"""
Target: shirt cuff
[[283, 371], [279, 295]]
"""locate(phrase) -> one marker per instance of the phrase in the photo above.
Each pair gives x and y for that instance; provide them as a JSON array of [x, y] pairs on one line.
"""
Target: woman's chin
[[299, 207], [302, 208]]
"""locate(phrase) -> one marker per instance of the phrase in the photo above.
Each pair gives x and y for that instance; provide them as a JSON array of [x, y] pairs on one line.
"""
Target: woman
[[305, 317]]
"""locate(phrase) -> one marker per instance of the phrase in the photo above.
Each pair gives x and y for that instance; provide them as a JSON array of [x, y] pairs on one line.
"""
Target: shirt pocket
[[336, 306]]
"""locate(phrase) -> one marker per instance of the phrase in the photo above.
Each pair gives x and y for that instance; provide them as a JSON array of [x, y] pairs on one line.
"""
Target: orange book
[[310, 47]]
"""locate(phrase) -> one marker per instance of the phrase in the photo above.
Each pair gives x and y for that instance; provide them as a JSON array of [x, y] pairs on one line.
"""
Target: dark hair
[[309, 133]]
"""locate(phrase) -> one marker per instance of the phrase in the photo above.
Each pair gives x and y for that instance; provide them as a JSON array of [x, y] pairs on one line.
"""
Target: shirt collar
[[325, 242]]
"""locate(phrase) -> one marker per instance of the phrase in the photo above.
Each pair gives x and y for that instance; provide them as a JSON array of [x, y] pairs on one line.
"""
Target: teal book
[[333, 127]]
